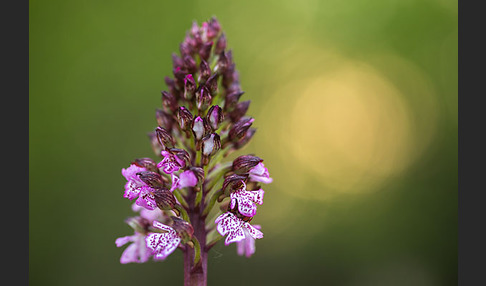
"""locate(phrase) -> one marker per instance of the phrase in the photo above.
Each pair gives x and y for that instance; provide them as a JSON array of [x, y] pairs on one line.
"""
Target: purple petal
[[235, 236], [132, 189], [146, 198], [123, 240], [187, 179], [258, 196], [162, 244], [131, 172], [227, 223], [253, 231], [129, 255]]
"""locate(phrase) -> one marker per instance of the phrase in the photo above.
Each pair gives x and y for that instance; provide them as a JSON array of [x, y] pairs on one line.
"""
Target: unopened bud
[[171, 85], [246, 138], [233, 182], [239, 129], [212, 83], [164, 119], [244, 163], [189, 86], [154, 180], [169, 101], [190, 64], [146, 163], [223, 62], [211, 144], [164, 137], [184, 229], [205, 50], [179, 74], [213, 28], [231, 100], [184, 117], [220, 44], [164, 199], [215, 116], [239, 111], [204, 72], [177, 61], [203, 98], [200, 127]]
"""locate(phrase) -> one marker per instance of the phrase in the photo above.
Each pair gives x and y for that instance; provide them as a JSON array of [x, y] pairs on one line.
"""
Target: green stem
[[198, 198], [183, 213], [197, 250], [180, 198]]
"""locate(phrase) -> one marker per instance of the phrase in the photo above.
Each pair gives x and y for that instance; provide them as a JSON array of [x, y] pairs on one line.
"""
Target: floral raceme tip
[[189, 195]]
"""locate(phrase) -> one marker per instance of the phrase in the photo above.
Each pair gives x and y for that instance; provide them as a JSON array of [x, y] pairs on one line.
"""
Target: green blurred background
[[356, 108]]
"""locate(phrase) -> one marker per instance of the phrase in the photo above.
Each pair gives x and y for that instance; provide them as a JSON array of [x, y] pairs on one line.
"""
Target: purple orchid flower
[[134, 184], [162, 244], [135, 187], [260, 174], [170, 163], [246, 200], [229, 224]]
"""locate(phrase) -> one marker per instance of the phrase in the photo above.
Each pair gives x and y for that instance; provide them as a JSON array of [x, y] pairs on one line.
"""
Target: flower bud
[[204, 72], [164, 119], [220, 44], [213, 28], [171, 85], [177, 61], [233, 182], [182, 156], [190, 64], [205, 50], [146, 163], [243, 164], [169, 101], [230, 76], [215, 116], [223, 63], [231, 100], [184, 117], [239, 111], [203, 98], [212, 83], [186, 48], [179, 75], [211, 144], [164, 199], [189, 86], [198, 128], [246, 138], [164, 137], [184, 229], [154, 180], [240, 128]]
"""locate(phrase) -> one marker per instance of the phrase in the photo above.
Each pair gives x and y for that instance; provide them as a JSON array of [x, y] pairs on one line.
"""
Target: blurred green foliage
[[95, 75]]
